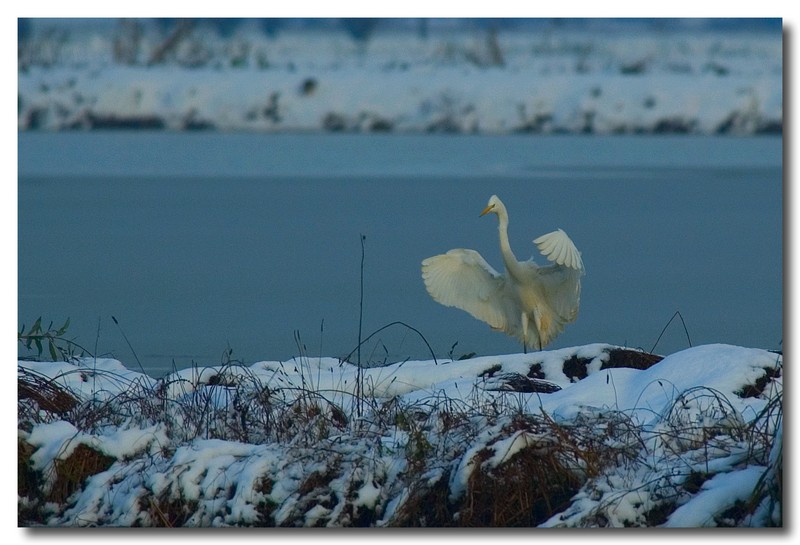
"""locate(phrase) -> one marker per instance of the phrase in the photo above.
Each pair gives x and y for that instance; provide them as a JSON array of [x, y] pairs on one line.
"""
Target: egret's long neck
[[509, 259]]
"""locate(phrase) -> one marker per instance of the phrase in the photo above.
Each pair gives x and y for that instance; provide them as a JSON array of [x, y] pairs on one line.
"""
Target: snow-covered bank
[[545, 81], [587, 436]]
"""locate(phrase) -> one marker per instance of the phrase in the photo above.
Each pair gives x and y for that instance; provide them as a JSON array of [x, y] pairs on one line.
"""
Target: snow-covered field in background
[[691, 440], [463, 81]]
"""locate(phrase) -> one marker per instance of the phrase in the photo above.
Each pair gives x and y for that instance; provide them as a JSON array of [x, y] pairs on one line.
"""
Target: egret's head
[[493, 205]]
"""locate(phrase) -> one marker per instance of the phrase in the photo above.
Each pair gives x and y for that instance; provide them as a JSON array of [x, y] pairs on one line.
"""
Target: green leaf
[[53, 354], [63, 328], [38, 342], [37, 325]]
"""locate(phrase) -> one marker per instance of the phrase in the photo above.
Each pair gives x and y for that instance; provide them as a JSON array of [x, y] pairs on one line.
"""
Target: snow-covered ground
[[605, 436], [545, 80]]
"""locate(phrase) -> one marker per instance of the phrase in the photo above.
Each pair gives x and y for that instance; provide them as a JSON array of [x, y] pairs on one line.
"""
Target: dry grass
[[69, 476], [72, 472], [167, 512], [428, 505], [526, 490], [36, 392]]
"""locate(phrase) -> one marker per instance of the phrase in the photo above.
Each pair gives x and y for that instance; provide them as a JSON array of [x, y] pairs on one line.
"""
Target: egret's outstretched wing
[[562, 280], [562, 286], [463, 279], [559, 248]]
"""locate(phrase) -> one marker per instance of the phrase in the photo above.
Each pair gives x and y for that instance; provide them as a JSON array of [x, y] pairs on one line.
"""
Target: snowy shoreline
[[626, 439], [455, 82]]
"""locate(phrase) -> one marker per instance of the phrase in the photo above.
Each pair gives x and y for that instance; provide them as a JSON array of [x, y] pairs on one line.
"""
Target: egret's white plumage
[[530, 302]]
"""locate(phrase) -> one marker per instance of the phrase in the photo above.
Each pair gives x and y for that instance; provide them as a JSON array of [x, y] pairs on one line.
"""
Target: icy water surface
[[200, 242]]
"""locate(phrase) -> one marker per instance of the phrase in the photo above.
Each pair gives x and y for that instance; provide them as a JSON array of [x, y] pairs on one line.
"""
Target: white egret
[[530, 302]]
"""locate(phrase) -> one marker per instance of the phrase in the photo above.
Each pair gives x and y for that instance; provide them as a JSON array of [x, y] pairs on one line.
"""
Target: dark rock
[[514, 382], [633, 359], [575, 368]]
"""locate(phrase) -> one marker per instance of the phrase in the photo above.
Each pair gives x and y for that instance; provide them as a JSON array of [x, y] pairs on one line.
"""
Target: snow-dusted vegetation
[[589, 436], [430, 76]]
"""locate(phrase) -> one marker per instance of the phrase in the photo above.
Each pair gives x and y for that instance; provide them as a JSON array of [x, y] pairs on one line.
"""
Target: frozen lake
[[200, 241]]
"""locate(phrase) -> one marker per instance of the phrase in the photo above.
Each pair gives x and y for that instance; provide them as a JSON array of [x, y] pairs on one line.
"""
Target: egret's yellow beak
[[486, 210]]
